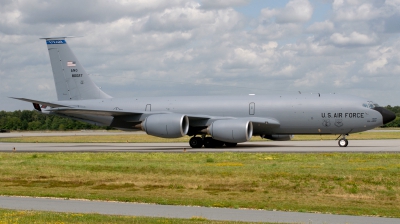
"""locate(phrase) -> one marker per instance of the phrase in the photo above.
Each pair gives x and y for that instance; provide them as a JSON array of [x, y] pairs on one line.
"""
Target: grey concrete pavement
[[66, 133], [267, 146], [152, 210]]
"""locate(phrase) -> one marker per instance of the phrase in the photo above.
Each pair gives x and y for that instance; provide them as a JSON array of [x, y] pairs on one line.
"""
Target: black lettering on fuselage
[[337, 115], [354, 115], [76, 75], [341, 115]]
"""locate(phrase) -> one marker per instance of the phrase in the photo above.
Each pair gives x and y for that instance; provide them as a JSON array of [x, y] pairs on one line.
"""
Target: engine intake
[[166, 125], [233, 131]]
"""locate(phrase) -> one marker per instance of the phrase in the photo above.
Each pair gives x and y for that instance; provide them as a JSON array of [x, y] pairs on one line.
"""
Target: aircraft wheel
[[196, 142], [208, 142], [343, 142], [230, 144], [218, 144]]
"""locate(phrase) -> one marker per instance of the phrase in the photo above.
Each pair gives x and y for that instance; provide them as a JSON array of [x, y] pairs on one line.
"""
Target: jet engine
[[278, 137], [166, 125], [233, 131]]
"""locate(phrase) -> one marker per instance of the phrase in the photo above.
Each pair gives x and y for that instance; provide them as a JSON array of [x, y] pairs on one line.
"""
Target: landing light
[[252, 94]]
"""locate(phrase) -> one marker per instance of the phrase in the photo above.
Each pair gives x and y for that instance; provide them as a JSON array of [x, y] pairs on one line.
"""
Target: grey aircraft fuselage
[[227, 119], [297, 114]]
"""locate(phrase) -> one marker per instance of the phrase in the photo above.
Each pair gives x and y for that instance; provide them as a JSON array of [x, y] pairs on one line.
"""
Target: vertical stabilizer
[[71, 80]]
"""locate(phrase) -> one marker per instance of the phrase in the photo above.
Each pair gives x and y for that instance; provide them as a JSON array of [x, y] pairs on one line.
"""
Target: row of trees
[[34, 121]]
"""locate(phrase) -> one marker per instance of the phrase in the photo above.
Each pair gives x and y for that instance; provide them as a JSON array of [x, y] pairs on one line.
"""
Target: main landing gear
[[196, 142], [208, 142], [343, 142]]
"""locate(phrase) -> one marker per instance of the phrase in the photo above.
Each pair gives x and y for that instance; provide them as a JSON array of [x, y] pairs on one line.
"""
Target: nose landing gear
[[343, 142]]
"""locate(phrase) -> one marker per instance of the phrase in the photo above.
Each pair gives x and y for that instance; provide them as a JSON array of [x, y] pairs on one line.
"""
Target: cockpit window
[[370, 104]]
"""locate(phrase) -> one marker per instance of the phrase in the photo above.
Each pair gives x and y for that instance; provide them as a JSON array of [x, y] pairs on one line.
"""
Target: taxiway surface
[[137, 209], [267, 146]]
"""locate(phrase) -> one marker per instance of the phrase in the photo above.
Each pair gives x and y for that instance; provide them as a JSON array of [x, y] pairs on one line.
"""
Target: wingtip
[[11, 97]]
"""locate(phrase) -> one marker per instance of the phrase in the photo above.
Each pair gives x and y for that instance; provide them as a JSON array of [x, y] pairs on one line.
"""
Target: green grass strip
[[339, 183], [14, 216]]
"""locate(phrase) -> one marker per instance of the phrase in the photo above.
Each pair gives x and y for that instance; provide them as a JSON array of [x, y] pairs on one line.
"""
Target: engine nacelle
[[166, 125], [233, 131], [279, 137]]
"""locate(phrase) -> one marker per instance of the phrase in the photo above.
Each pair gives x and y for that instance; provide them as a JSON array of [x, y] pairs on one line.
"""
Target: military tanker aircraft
[[212, 121]]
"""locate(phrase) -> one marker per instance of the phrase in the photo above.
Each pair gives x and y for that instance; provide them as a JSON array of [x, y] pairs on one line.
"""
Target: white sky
[[205, 47]]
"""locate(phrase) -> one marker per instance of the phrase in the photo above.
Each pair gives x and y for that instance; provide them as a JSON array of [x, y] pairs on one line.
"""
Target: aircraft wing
[[135, 116], [192, 117], [195, 120], [262, 124], [263, 121], [114, 113], [259, 123]]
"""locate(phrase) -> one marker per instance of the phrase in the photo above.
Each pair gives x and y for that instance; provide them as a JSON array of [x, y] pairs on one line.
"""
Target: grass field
[[136, 138], [12, 216], [339, 183]]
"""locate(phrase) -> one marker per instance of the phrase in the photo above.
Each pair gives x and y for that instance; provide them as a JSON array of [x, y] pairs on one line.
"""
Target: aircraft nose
[[387, 115]]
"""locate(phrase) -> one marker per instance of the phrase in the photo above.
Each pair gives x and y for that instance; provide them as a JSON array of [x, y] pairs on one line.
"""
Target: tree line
[[31, 120]]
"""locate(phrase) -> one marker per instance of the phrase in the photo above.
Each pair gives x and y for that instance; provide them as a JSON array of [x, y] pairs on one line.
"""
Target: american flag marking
[[71, 64]]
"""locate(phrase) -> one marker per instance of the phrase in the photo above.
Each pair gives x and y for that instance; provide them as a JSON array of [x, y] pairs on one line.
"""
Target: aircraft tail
[[71, 80]]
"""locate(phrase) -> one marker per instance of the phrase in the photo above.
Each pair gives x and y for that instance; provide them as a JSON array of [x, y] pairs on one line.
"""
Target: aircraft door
[[148, 107], [252, 108]]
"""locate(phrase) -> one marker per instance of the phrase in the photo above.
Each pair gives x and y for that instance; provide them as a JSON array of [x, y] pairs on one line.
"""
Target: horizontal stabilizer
[[40, 102]]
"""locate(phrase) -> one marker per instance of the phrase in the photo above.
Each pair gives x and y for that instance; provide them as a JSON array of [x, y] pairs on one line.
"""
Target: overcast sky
[[205, 47]]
